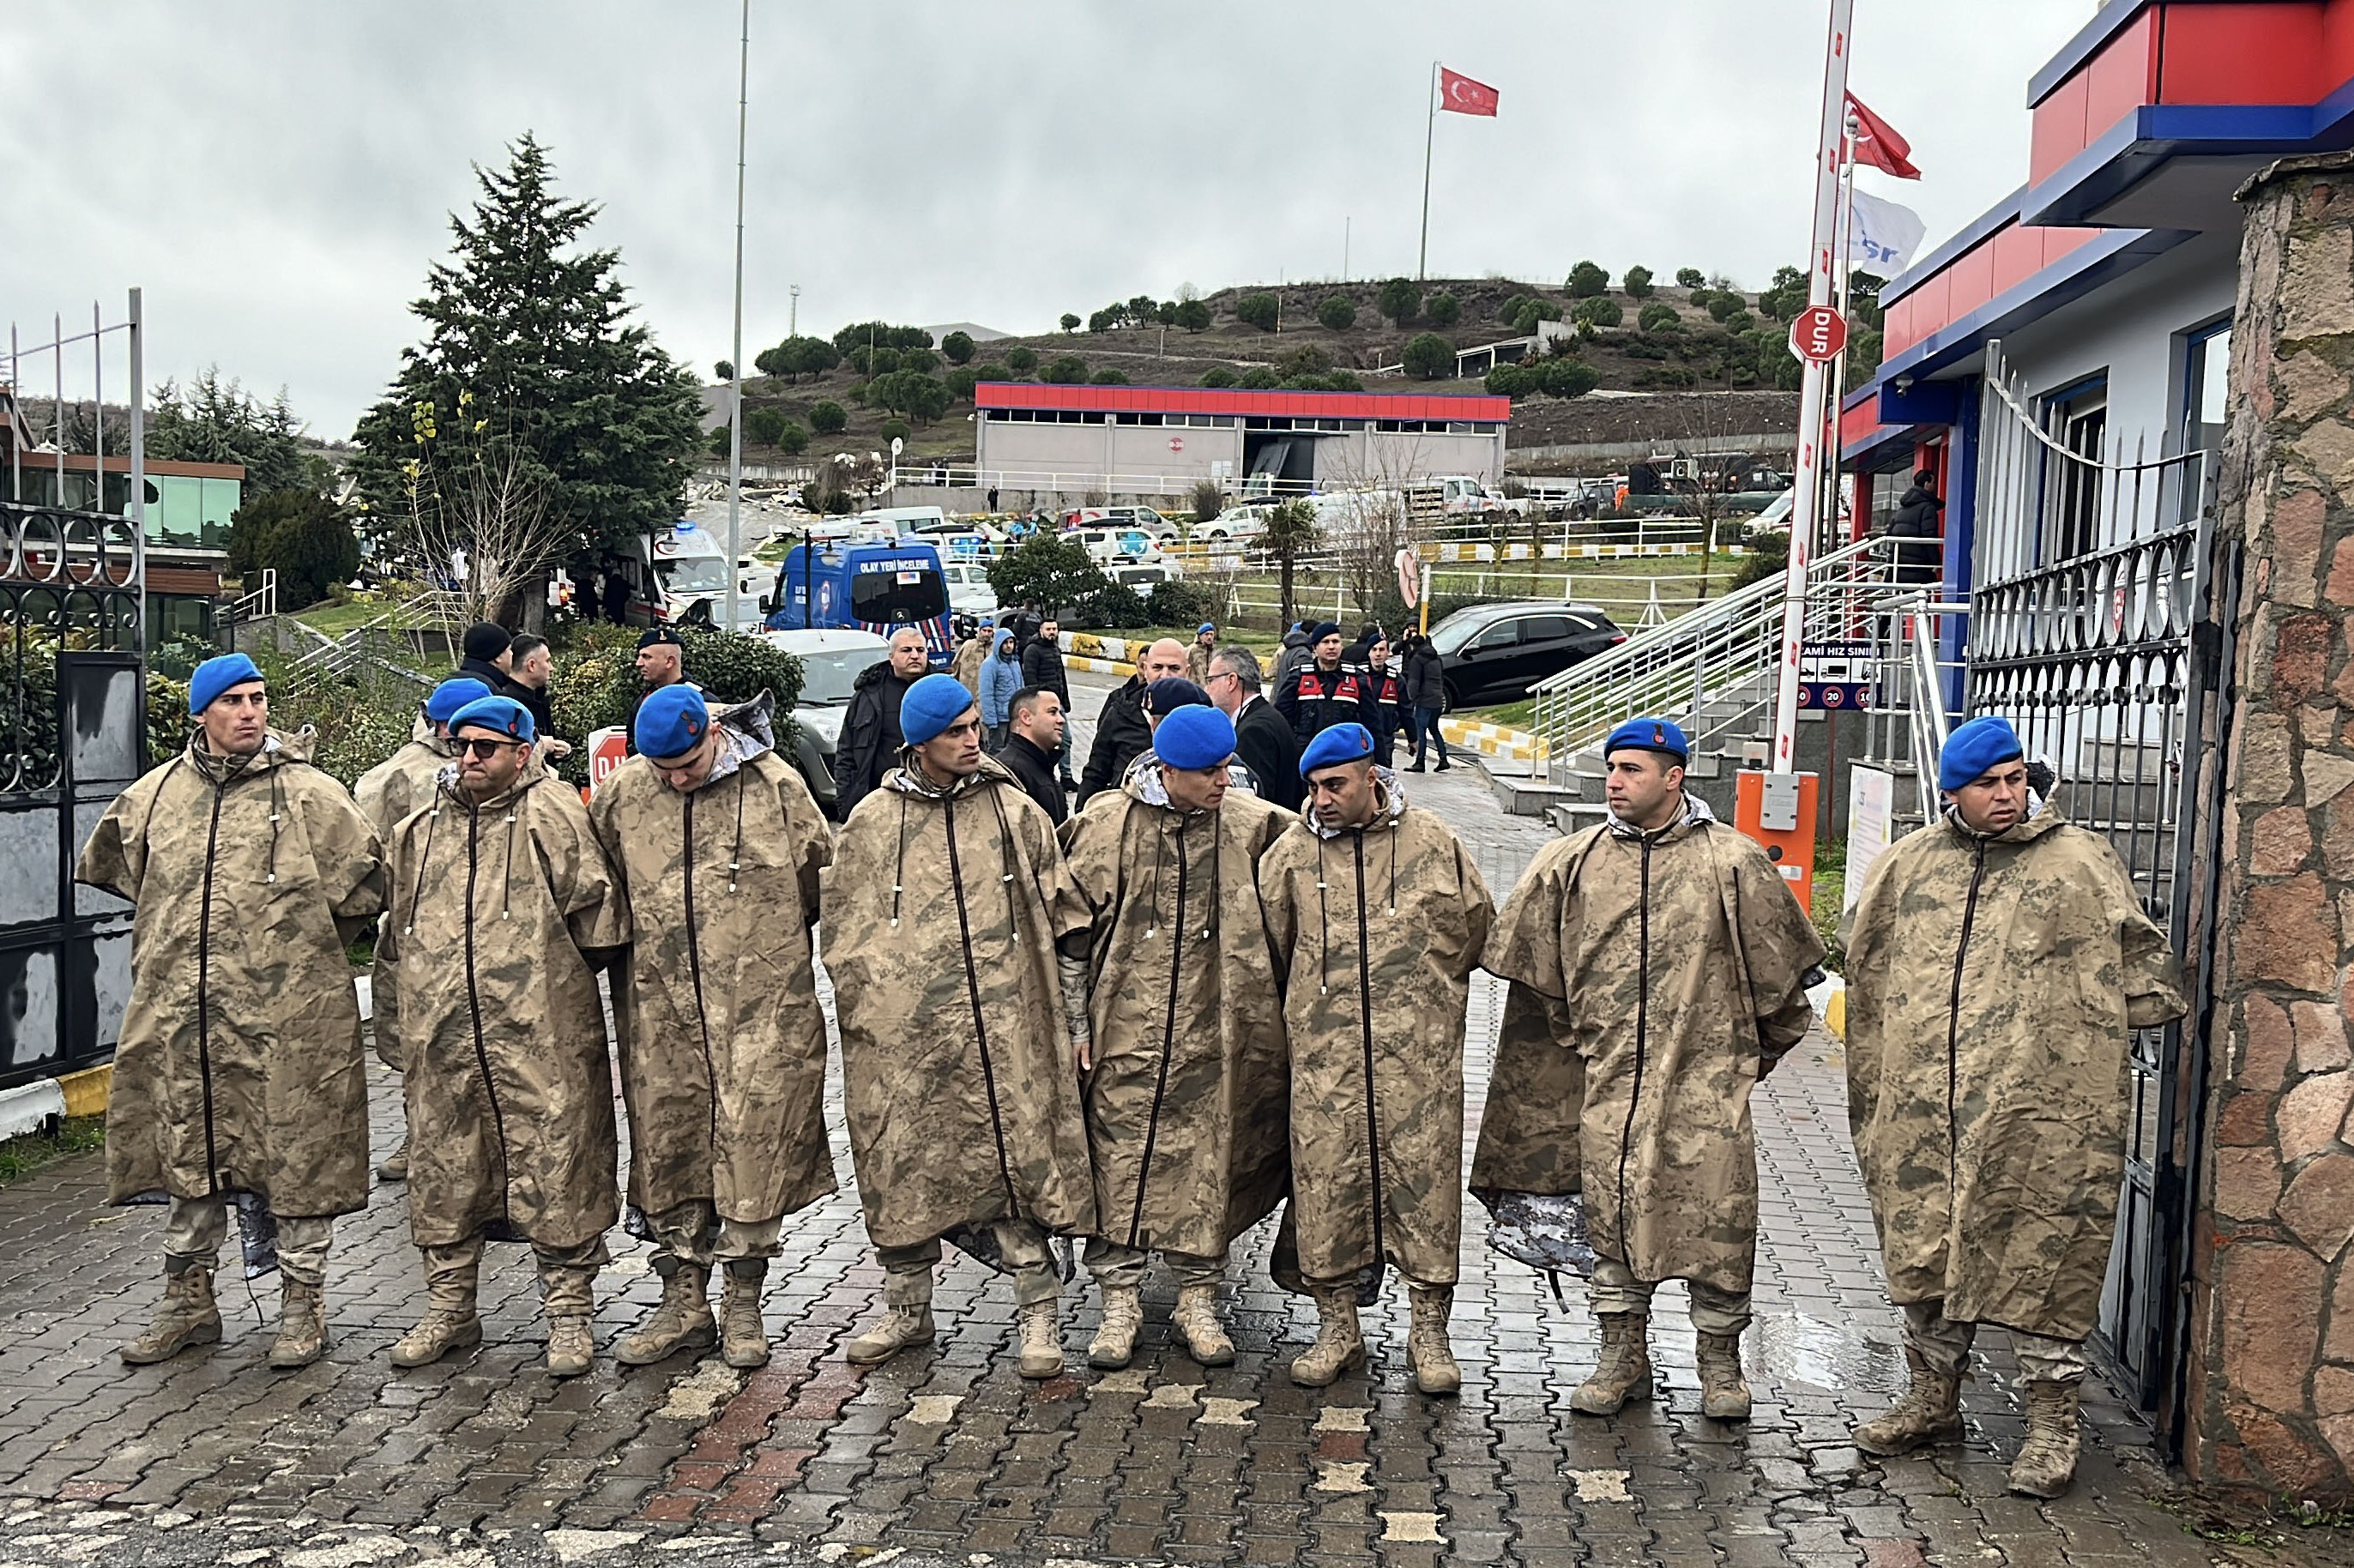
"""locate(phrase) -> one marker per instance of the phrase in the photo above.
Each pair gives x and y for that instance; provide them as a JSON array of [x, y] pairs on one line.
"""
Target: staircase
[[1713, 672], [368, 649]]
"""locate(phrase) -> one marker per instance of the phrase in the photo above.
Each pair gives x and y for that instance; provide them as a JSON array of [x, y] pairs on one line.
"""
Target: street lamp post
[[735, 359]]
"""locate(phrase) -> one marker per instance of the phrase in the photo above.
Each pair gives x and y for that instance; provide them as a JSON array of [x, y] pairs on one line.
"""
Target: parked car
[[1142, 576], [1121, 518], [969, 589], [1236, 524], [1495, 652], [832, 661], [1106, 546]]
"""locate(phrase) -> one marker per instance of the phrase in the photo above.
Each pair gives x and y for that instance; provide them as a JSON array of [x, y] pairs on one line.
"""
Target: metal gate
[[73, 734], [2097, 625]]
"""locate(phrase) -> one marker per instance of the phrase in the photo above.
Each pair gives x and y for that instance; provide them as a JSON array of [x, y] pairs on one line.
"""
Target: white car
[[1142, 576], [1106, 546], [1236, 524], [1120, 519], [832, 661], [969, 589]]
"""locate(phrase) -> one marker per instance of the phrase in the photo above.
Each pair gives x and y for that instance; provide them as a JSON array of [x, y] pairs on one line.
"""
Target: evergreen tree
[[563, 389], [213, 421]]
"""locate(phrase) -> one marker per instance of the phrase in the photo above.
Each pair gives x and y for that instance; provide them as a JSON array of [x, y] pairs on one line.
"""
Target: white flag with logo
[[1883, 238]]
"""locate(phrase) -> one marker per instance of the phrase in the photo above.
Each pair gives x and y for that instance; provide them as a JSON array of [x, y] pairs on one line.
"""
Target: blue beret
[[1166, 695], [217, 675], [1342, 743], [671, 721], [1663, 735], [452, 694], [1194, 738], [1206, 626], [1976, 746], [1322, 630], [504, 714], [931, 705]]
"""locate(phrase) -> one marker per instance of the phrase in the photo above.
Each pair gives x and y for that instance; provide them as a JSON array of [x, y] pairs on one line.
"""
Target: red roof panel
[[1219, 400]]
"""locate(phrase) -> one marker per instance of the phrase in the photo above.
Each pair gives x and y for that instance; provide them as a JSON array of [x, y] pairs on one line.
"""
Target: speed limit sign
[[1819, 334]]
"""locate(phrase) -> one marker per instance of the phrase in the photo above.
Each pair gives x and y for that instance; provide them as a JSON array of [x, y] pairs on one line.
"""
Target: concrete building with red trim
[[2067, 367]]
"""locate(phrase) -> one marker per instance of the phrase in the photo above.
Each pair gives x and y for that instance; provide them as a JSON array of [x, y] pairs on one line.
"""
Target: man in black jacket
[[1263, 740], [1915, 527], [1121, 734], [1323, 692], [871, 741], [487, 659], [1033, 738], [1042, 666]]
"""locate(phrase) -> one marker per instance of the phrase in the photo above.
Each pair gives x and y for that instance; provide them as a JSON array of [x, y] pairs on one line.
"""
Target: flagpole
[[1843, 291], [735, 342], [1806, 499], [1429, 134]]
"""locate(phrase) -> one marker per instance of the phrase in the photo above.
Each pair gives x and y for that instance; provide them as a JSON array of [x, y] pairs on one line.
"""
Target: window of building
[[2077, 417]]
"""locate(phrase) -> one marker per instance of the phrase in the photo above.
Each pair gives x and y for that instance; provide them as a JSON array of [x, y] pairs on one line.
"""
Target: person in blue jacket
[[1001, 677]]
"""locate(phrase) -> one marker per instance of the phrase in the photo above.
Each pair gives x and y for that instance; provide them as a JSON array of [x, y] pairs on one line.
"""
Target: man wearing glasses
[[502, 910], [1263, 743]]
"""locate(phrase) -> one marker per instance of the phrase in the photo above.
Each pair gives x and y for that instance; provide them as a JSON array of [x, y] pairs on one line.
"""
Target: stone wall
[[2271, 1367]]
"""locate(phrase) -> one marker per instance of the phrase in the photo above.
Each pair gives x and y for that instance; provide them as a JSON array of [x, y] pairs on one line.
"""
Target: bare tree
[[479, 514], [1711, 468], [1369, 520]]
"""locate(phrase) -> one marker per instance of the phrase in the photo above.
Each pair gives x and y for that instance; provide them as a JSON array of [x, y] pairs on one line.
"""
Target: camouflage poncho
[[1376, 931], [1187, 1106], [239, 1068], [1673, 963], [387, 793], [942, 909], [499, 912], [1993, 983], [723, 1043]]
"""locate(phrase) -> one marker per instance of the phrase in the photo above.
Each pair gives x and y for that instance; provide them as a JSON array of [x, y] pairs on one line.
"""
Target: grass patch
[[20, 1157], [334, 619], [1830, 887], [1522, 715]]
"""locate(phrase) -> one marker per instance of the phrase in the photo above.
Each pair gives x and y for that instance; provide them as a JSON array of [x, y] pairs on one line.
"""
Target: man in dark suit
[[1033, 736], [1263, 738]]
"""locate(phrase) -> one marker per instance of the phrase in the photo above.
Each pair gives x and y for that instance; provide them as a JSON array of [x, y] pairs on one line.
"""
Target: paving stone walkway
[[947, 1455]]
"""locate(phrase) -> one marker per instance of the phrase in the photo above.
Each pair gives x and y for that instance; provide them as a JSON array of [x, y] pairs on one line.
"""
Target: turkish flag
[[1463, 96], [1877, 144]]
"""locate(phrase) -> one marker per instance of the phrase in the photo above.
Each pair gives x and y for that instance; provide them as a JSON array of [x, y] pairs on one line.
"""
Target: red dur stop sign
[[1819, 334]]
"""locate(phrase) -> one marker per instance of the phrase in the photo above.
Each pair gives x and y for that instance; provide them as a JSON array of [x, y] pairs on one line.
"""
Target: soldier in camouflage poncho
[[1377, 917], [723, 1043], [1187, 1111], [1672, 961], [238, 1073], [1997, 963], [387, 793], [943, 907], [503, 908]]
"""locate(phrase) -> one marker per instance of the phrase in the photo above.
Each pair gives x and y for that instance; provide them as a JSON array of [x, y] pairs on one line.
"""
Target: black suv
[[1495, 652]]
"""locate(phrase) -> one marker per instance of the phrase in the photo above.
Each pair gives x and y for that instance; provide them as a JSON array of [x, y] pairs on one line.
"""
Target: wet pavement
[[947, 1455]]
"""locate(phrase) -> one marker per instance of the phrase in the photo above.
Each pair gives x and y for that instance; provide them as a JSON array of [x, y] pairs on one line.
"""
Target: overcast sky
[[277, 175]]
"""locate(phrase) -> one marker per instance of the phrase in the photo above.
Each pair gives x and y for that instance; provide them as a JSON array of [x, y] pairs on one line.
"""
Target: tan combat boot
[[1929, 1412], [302, 1326], [1196, 1319], [396, 1164], [568, 1295], [1435, 1371], [1622, 1371], [2046, 1465], [902, 1323], [742, 1333], [1114, 1345], [682, 1321], [452, 1321], [1041, 1338], [1723, 1391], [188, 1316], [1339, 1344]]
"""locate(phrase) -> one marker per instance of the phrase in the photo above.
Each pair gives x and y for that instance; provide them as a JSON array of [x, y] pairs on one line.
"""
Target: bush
[[881, 362], [1739, 319], [723, 369], [989, 370], [1689, 278], [827, 417], [1534, 311], [1193, 315], [791, 440], [1337, 314], [1070, 322], [921, 360], [1261, 311], [1427, 356], [1510, 311], [1657, 316], [302, 535], [1768, 556], [1599, 311], [1442, 309], [1509, 381], [1723, 305], [1586, 281], [1258, 378], [765, 425], [716, 442], [1399, 299], [1049, 572], [1110, 378], [891, 429], [958, 347], [594, 682], [1569, 377], [1022, 360], [911, 393], [961, 383], [1179, 603], [1102, 321], [1111, 607], [1638, 283], [1217, 376], [1700, 297], [1208, 500], [1067, 371]]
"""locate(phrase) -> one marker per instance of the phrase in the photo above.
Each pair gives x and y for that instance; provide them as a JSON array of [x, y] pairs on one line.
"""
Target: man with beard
[[238, 1077], [503, 908], [947, 910], [1673, 960], [1185, 1087], [720, 846]]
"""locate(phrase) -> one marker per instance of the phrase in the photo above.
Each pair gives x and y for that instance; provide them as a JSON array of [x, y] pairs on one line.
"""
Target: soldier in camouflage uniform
[[1673, 960], [723, 1043], [239, 1075], [387, 793], [1377, 917], [503, 908], [944, 908], [1997, 963], [1186, 1091]]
